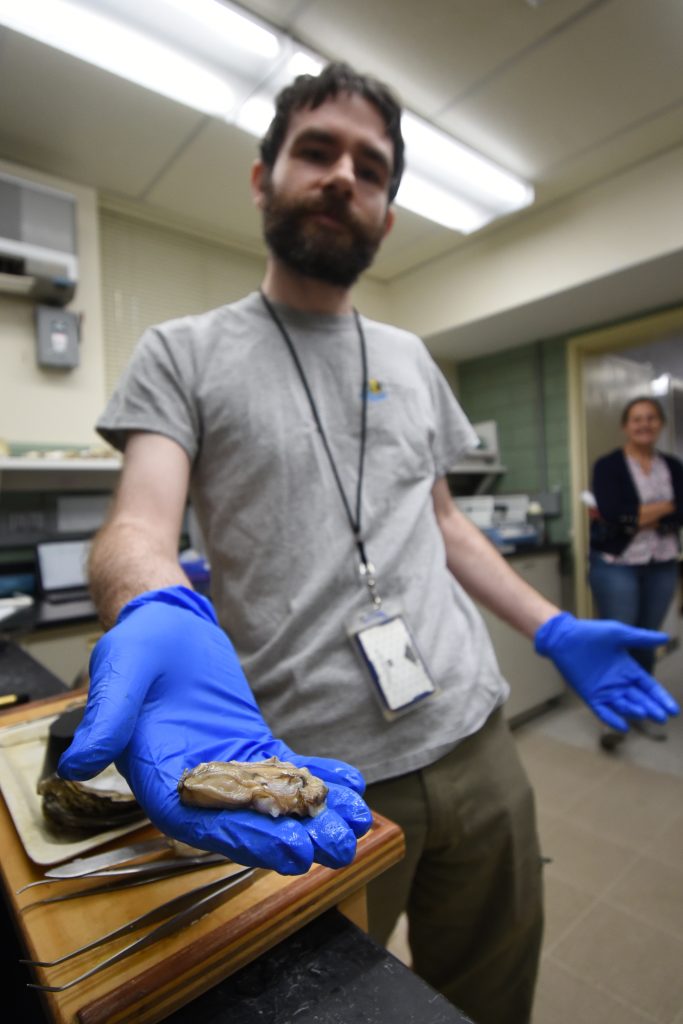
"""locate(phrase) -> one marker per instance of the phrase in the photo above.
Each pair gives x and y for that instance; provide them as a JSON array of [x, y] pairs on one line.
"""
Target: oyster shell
[[272, 787], [94, 806]]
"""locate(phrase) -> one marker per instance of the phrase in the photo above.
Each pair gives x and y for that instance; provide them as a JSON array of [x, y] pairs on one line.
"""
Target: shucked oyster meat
[[272, 787]]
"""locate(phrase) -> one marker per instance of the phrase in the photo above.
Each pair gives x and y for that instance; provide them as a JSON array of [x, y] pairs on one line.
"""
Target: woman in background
[[635, 533]]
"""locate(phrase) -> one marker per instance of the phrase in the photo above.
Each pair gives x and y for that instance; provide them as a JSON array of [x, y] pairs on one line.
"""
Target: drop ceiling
[[565, 93]]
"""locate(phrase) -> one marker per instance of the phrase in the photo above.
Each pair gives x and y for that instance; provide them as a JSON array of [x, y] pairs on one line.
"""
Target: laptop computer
[[62, 570]]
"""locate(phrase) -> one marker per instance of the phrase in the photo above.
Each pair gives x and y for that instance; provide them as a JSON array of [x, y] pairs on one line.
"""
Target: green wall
[[525, 391]]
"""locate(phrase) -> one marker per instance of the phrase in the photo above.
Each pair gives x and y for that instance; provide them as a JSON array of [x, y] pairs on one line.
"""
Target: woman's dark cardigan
[[619, 503]]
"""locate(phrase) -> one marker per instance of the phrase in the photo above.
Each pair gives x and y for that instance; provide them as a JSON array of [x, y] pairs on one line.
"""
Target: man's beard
[[336, 257]]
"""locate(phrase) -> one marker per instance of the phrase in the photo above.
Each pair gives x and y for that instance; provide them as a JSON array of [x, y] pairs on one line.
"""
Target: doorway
[[603, 374]]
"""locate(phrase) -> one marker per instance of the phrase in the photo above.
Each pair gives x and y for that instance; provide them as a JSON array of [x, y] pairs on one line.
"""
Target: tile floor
[[611, 825]]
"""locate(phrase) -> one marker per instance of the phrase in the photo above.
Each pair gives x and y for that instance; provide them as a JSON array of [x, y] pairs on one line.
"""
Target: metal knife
[[121, 855], [82, 866], [152, 869]]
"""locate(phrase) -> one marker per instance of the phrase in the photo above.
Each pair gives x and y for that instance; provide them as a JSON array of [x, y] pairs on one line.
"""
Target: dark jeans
[[638, 595]]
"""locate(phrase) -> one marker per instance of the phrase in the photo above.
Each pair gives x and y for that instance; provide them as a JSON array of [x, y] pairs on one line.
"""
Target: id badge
[[399, 675]]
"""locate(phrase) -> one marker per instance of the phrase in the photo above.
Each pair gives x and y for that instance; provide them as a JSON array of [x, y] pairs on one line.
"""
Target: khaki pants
[[471, 878]]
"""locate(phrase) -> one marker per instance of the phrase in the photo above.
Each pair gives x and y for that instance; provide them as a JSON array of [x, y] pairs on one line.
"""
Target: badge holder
[[389, 655]]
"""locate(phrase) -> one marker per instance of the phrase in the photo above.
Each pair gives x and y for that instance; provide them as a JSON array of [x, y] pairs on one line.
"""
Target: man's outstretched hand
[[593, 657], [166, 693]]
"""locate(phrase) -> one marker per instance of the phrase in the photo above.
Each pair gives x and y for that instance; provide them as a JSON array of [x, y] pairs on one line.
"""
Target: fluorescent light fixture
[[301, 63], [255, 115], [209, 55], [434, 202], [236, 28], [660, 385], [121, 50], [460, 171]]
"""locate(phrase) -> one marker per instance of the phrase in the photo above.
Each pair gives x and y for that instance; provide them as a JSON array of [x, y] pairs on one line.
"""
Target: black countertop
[[22, 674], [329, 972]]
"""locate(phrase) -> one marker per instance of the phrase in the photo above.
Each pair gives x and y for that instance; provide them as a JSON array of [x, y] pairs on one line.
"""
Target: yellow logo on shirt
[[375, 391]]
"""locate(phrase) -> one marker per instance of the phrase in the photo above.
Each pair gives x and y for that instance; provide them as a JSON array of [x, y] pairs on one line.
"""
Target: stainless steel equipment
[[505, 519]]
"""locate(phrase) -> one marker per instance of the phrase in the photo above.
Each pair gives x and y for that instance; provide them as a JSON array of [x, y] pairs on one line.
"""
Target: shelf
[[27, 474], [477, 467], [474, 477], [12, 462]]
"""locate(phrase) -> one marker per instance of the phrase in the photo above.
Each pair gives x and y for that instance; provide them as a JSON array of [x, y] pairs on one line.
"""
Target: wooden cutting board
[[153, 983]]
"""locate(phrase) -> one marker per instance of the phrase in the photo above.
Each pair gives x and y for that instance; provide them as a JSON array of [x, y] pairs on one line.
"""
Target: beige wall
[[154, 271], [56, 407], [617, 224], [373, 299]]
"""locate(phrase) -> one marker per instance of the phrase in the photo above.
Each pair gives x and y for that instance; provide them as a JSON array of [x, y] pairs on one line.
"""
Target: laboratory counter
[[44, 614]]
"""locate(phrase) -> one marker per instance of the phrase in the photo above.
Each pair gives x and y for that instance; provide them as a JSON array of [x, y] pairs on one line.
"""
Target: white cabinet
[[533, 680]]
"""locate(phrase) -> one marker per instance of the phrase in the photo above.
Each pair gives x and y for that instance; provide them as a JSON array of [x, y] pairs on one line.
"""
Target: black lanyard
[[367, 570]]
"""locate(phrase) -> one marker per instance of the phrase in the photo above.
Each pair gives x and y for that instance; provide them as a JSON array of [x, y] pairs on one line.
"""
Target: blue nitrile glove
[[593, 657], [166, 693]]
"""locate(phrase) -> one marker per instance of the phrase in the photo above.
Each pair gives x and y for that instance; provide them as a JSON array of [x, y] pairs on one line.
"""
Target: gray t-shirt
[[284, 562]]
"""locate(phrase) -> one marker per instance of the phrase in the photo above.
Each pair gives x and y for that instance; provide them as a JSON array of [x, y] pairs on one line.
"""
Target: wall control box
[[57, 337]]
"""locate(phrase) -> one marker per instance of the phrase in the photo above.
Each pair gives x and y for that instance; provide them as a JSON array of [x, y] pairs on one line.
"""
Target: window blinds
[[151, 273]]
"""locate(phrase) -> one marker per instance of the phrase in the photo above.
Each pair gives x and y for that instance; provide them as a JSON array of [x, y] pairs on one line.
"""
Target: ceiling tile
[[429, 52], [277, 12], [601, 76], [612, 154], [209, 183], [66, 117]]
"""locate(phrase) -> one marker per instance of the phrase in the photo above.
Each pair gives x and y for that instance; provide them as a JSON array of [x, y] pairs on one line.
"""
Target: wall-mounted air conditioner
[[38, 256]]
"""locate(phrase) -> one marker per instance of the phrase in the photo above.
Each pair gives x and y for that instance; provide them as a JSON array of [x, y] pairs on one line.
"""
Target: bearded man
[[314, 445]]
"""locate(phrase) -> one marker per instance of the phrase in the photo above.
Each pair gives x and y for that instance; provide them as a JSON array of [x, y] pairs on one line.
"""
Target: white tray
[[22, 752]]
